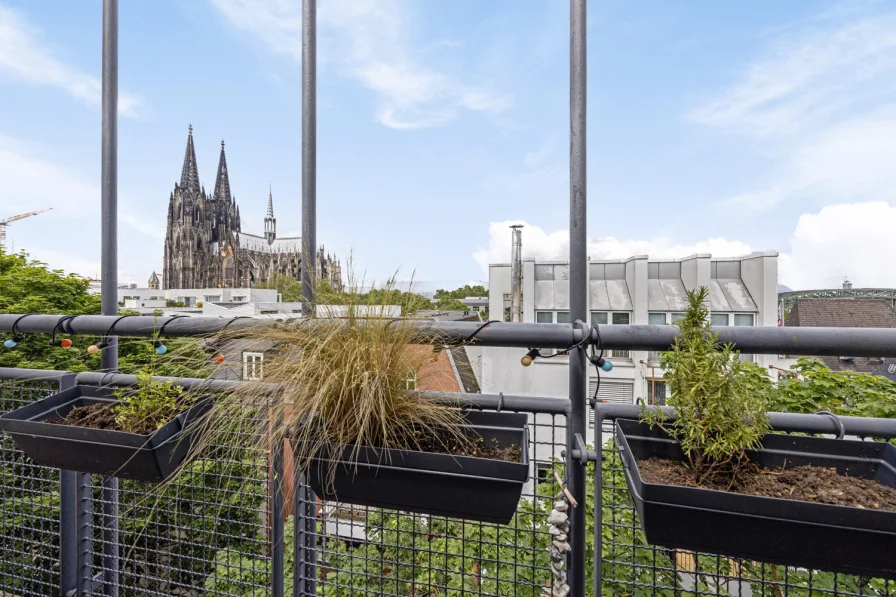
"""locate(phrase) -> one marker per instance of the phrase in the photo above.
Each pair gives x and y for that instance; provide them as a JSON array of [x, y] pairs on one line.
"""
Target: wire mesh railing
[[216, 531], [629, 566], [29, 507]]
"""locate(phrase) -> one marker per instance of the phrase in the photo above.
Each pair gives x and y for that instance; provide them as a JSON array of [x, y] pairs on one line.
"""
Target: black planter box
[[458, 486], [796, 533], [151, 457]]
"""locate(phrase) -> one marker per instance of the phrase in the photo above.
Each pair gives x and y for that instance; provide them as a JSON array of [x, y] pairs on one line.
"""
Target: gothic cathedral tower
[[202, 231]]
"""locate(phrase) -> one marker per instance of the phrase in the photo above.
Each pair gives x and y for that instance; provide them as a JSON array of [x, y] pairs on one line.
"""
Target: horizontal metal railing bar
[[878, 342], [793, 422], [533, 404], [11, 373]]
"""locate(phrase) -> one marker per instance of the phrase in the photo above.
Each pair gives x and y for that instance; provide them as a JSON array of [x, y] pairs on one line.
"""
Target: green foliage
[[407, 555], [815, 388], [150, 405], [289, 288], [463, 292], [28, 286], [721, 400], [451, 299]]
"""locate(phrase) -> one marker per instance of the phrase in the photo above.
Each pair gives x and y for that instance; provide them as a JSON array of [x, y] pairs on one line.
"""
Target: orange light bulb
[[66, 343], [219, 358]]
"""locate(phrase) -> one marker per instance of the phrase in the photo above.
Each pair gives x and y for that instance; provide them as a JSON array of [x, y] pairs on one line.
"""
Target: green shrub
[[721, 400]]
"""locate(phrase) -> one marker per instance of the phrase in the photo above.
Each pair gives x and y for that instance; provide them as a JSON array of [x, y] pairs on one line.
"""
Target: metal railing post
[[304, 521], [109, 261], [309, 157], [576, 422], [69, 519], [277, 511], [598, 504]]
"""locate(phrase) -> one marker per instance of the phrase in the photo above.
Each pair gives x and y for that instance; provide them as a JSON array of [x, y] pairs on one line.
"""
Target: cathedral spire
[[222, 182], [189, 175], [270, 222]]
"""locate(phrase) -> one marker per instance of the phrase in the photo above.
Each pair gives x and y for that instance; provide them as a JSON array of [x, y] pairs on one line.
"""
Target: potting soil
[[804, 483]]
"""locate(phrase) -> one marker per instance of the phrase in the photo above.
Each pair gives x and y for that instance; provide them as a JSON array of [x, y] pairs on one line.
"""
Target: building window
[[617, 318], [744, 319], [253, 365], [656, 392], [656, 318], [719, 320], [543, 471], [677, 317], [411, 381], [551, 317]]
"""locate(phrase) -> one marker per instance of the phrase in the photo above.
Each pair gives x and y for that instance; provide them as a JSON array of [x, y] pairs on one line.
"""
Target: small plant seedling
[[153, 404]]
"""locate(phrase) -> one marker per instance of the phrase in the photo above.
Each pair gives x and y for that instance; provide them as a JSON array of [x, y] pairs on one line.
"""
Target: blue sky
[[722, 127]]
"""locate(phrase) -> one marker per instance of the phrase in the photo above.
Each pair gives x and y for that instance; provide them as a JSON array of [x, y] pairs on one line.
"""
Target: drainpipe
[[516, 275]]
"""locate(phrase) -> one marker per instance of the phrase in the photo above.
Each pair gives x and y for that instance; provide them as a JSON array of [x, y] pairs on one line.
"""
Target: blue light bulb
[[161, 349], [606, 365], [10, 343]]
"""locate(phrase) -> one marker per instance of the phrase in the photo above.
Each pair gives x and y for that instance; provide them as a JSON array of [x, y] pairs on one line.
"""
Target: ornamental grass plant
[[334, 385]]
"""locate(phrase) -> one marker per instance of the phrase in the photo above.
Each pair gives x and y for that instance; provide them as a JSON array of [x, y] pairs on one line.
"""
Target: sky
[[717, 127]]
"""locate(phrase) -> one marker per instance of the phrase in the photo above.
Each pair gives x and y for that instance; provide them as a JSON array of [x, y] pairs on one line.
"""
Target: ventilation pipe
[[516, 275]]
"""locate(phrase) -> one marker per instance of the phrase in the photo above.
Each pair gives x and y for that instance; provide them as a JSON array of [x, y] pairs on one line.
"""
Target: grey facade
[[205, 246]]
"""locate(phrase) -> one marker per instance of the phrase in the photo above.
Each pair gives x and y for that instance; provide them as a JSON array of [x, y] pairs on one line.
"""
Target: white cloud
[[847, 161], [805, 76], [847, 240], [543, 245], [370, 42], [24, 56], [819, 102]]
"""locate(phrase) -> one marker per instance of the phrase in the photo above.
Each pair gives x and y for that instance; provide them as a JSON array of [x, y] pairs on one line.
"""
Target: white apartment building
[[638, 290]]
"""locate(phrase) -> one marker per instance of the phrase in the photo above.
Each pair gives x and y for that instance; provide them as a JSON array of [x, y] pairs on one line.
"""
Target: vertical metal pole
[[310, 541], [304, 552], [68, 520], [309, 157], [277, 569], [598, 505], [109, 260], [298, 525], [576, 421]]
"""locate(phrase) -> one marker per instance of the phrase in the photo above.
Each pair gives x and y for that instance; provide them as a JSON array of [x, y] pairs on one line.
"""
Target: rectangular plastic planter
[[796, 533], [457, 486], [151, 457]]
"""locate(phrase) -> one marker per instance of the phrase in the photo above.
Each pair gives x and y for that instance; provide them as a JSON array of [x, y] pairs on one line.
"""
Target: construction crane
[[8, 221]]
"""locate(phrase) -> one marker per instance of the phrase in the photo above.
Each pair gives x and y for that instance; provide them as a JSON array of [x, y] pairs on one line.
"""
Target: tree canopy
[[451, 299], [29, 286], [289, 288]]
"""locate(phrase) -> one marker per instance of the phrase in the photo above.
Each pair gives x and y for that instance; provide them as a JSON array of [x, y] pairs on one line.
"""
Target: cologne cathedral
[[205, 246]]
